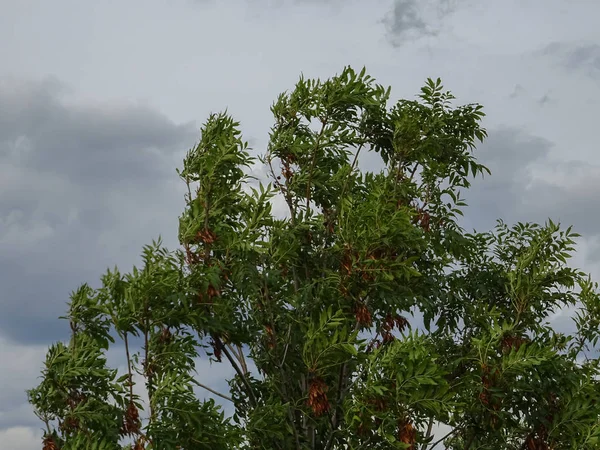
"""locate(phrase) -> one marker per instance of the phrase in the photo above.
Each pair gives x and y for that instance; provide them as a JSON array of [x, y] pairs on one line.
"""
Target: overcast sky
[[100, 100]]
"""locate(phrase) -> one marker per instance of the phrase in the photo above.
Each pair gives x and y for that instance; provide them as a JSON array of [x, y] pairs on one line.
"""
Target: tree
[[363, 318]]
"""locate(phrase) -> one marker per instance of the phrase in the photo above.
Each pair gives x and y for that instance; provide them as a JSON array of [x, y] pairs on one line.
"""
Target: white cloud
[[20, 371], [21, 438]]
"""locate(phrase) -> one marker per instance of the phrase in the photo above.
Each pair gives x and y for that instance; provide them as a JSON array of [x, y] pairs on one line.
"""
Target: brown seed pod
[[131, 422], [49, 443], [363, 315], [317, 397], [407, 434]]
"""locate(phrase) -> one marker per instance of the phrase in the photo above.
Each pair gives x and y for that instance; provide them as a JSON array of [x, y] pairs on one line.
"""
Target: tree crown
[[364, 317]]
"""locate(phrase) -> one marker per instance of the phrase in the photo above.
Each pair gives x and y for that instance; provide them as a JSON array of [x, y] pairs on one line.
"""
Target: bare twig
[[412, 172], [342, 390], [242, 359], [235, 366], [213, 391], [445, 437], [428, 433], [147, 372], [235, 353], [287, 345], [352, 167], [130, 377], [312, 164]]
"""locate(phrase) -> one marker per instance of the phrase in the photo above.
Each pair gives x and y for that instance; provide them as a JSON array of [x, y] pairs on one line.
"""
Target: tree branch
[[445, 437], [312, 165], [470, 442], [352, 167], [242, 375], [130, 376], [214, 392], [342, 390], [242, 359], [428, 433]]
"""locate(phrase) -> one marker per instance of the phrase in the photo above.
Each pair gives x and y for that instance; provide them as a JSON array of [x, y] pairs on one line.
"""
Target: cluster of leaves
[[318, 309]]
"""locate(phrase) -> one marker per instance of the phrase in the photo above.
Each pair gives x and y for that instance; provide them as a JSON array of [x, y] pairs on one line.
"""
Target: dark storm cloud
[[508, 153], [82, 187], [513, 194], [576, 204], [567, 193], [102, 143]]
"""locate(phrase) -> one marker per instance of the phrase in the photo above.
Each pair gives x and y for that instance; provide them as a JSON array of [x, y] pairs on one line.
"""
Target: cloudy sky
[[99, 101]]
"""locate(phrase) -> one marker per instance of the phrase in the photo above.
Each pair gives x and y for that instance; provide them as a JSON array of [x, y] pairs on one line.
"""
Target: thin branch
[[187, 183], [290, 414], [130, 377], [342, 390], [242, 375], [334, 420], [284, 391], [312, 165], [470, 442], [445, 437], [283, 189], [242, 359], [352, 167], [412, 172], [236, 354], [287, 345], [214, 392], [239, 354], [428, 433], [148, 373]]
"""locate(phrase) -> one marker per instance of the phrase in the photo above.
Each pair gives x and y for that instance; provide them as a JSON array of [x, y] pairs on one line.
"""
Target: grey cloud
[[580, 57], [22, 368], [576, 203], [566, 193], [509, 154], [586, 56], [593, 251], [410, 19], [545, 99], [406, 17], [91, 144], [519, 90], [513, 194], [82, 187]]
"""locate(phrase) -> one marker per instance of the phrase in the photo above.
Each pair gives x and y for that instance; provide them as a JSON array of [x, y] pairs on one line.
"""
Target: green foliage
[[317, 309]]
